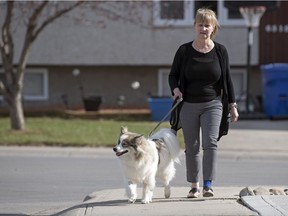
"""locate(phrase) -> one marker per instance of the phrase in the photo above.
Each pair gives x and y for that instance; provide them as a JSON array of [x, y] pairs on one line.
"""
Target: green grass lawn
[[71, 132]]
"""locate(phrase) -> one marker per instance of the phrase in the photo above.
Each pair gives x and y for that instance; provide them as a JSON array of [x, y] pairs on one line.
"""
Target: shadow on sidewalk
[[11, 214], [91, 205]]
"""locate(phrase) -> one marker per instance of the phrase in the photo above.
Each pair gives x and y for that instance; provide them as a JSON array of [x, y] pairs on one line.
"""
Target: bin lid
[[275, 67]]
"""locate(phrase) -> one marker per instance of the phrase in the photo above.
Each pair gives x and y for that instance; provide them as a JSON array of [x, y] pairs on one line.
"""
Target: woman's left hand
[[234, 114]]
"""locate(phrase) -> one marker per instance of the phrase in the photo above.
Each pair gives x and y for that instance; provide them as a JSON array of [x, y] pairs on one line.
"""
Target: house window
[[172, 10], [234, 14], [229, 17], [182, 13], [167, 13], [35, 84], [163, 85], [179, 13], [213, 5]]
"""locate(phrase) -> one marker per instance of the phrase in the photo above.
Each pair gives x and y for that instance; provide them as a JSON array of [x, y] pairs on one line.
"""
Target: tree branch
[[2, 88], [6, 42], [7, 51], [29, 37], [32, 33], [55, 16]]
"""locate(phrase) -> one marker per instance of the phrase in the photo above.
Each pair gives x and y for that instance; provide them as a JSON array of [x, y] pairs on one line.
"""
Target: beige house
[[112, 56]]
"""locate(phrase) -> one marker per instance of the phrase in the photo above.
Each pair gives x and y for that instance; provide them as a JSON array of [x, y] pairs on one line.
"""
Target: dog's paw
[[167, 191], [131, 200], [146, 201]]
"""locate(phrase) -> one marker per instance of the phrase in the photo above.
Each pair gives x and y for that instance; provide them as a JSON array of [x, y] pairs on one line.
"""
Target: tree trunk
[[14, 78], [16, 112]]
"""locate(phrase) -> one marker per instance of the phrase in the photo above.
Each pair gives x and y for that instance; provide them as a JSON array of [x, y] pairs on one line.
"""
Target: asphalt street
[[65, 178], [34, 179]]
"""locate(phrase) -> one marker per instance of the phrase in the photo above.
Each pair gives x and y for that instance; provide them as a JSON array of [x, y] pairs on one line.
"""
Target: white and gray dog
[[144, 160]]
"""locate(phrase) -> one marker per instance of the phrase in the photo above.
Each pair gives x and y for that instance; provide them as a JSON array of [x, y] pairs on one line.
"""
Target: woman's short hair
[[205, 15]]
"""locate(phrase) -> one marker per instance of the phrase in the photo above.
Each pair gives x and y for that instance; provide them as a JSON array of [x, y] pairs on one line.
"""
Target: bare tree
[[37, 15], [37, 20]]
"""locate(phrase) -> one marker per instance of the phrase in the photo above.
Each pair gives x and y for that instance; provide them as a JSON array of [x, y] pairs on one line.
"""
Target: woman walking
[[200, 76]]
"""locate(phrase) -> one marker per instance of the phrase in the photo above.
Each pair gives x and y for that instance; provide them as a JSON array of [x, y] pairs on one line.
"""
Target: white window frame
[[241, 99], [188, 15], [161, 80], [45, 95], [243, 73]]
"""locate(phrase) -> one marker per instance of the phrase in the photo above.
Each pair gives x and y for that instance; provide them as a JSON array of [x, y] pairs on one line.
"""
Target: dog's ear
[[124, 130], [137, 139]]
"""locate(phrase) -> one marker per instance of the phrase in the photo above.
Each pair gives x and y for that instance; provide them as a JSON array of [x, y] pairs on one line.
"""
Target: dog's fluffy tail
[[171, 142]]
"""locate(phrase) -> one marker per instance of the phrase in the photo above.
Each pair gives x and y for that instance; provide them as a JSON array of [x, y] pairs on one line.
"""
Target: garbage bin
[[275, 90], [159, 107]]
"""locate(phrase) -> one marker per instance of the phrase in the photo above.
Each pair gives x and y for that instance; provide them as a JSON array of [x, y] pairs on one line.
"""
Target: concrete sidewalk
[[225, 202], [267, 205], [114, 202]]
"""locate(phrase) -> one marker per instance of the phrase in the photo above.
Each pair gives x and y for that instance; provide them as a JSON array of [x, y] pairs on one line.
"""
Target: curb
[[267, 205]]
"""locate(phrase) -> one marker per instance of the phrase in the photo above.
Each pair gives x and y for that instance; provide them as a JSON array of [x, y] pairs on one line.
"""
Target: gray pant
[[206, 116]]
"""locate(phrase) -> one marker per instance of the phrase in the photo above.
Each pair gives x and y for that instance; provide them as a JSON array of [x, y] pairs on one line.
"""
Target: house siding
[[109, 82], [122, 43], [112, 57]]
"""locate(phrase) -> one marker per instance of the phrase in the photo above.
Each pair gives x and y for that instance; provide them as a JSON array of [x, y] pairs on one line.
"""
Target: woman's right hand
[[177, 93]]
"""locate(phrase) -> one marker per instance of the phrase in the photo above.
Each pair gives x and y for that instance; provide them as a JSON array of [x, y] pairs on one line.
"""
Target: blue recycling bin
[[275, 89], [159, 107]]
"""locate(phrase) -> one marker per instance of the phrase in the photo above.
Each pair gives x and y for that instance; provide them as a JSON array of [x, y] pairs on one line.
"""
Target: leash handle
[[163, 119]]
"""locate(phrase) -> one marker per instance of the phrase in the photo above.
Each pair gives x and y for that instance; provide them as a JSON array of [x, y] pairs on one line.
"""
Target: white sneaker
[[208, 192], [193, 193]]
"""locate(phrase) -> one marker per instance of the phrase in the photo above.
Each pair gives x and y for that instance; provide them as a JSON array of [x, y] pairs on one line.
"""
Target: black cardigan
[[176, 79]]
